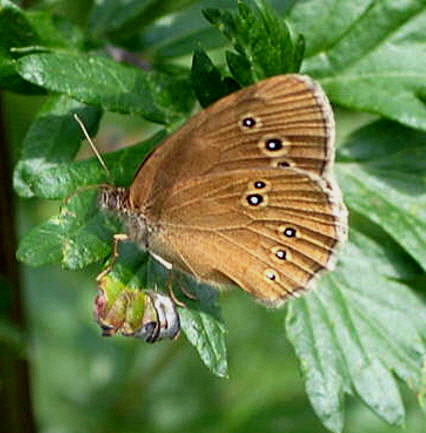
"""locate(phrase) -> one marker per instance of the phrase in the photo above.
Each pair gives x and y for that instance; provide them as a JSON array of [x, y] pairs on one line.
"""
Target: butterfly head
[[117, 200], [114, 198]]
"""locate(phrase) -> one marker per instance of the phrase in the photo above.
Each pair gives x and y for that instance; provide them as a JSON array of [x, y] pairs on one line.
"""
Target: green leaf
[[341, 332], [76, 237], [180, 34], [203, 326], [373, 60], [390, 186], [81, 233], [121, 18], [181, 45], [321, 28], [201, 320], [60, 179], [15, 29], [55, 31], [44, 148], [102, 82], [24, 32], [356, 330], [208, 83], [131, 267], [240, 67], [262, 40], [11, 81]]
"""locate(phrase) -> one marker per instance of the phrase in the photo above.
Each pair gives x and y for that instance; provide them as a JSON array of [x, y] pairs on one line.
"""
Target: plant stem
[[15, 401]]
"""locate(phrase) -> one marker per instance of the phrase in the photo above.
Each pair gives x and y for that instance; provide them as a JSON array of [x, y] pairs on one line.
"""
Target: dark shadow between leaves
[[378, 140], [390, 152], [402, 262]]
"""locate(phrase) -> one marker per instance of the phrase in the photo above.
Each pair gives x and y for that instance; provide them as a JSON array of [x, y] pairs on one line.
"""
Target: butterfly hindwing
[[269, 231]]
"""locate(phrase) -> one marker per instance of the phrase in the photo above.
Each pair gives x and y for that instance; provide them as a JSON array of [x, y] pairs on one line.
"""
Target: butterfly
[[243, 194]]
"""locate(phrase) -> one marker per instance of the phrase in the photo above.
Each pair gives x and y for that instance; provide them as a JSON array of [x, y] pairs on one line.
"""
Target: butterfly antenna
[[92, 145]]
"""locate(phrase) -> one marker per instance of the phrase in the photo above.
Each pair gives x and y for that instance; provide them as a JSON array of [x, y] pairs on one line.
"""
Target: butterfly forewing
[[280, 122], [284, 121]]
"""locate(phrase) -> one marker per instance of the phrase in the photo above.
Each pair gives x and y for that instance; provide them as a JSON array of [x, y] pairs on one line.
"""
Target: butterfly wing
[[269, 231], [283, 121], [243, 194]]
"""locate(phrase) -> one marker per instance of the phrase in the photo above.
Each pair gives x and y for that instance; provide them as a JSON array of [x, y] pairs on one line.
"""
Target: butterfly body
[[243, 194]]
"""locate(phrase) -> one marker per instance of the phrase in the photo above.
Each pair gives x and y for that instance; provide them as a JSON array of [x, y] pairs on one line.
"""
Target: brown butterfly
[[243, 194]]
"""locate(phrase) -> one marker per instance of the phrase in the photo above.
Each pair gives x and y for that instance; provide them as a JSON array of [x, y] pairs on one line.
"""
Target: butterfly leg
[[187, 294], [172, 293], [116, 239]]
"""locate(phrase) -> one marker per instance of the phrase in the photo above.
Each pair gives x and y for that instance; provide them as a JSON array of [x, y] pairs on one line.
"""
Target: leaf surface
[[357, 330], [104, 83], [388, 183], [374, 60]]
